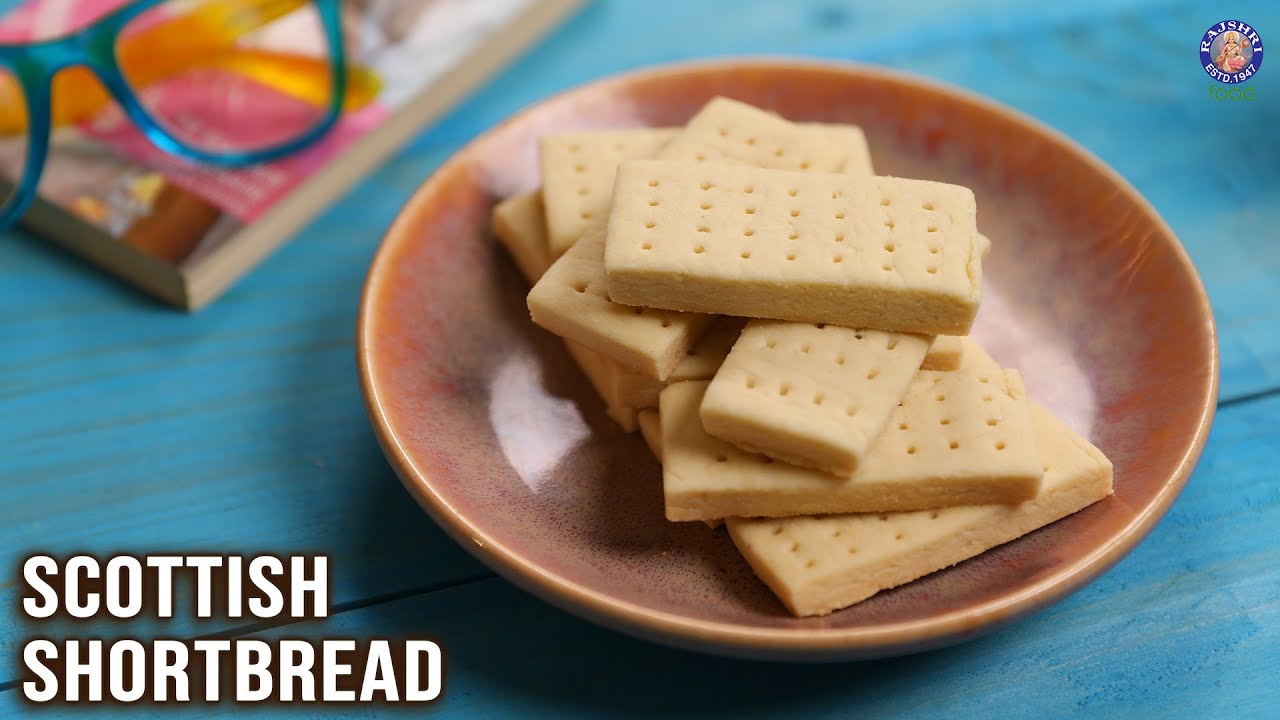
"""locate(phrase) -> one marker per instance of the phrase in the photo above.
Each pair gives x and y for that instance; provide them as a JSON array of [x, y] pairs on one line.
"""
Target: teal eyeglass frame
[[34, 66]]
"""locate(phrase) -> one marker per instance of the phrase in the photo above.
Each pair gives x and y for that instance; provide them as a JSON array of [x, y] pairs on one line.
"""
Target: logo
[[1231, 51]]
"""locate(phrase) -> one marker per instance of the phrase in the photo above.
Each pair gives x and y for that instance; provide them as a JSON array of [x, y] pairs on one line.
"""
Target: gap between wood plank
[[1248, 397]]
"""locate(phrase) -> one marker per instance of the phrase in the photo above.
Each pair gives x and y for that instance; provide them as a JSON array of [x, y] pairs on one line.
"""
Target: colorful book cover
[[103, 172]]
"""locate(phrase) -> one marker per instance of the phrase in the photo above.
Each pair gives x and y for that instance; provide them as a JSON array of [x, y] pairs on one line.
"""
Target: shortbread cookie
[[959, 438], [618, 386], [578, 168], [635, 389], [732, 132], [651, 429], [700, 363], [625, 417], [875, 252], [587, 161], [518, 223], [632, 389], [854, 140], [944, 354], [521, 227], [597, 369], [577, 176], [819, 564], [705, 359], [571, 301], [811, 395], [984, 245]]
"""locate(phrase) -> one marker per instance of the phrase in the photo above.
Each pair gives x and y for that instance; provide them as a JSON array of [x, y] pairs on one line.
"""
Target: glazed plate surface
[[496, 433]]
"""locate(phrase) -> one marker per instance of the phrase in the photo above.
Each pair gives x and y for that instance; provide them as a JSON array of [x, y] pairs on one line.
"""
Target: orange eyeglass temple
[[203, 38]]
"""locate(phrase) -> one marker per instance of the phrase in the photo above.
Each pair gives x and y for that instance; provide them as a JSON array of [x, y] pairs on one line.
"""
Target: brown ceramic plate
[[496, 433]]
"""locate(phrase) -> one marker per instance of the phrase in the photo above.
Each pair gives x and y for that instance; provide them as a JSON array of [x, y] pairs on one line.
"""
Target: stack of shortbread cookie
[[787, 330]]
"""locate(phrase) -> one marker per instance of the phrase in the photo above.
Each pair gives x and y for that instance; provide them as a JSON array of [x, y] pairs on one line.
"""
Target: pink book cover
[[102, 171]]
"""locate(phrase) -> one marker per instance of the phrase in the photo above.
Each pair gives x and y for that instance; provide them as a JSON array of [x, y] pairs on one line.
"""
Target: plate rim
[[805, 644]]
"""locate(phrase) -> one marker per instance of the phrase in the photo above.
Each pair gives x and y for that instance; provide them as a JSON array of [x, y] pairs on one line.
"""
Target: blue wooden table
[[126, 426]]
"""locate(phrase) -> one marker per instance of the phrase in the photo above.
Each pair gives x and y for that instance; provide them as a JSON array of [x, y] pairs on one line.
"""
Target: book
[[184, 233]]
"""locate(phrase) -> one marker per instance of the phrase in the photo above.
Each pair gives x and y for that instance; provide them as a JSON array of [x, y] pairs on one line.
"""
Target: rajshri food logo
[[1231, 52]]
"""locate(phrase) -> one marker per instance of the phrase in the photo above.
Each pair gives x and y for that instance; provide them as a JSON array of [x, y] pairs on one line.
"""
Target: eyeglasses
[[227, 83]]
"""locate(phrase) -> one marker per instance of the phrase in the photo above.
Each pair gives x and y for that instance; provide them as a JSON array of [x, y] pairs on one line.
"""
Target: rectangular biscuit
[[577, 191], [625, 417], [577, 176], [706, 356], [518, 223], [587, 160], [578, 168], [700, 363], [637, 389], [651, 429], [571, 301], [959, 438], [810, 395], [854, 141], [819, 564], [874, 252], [732, 132], [944, 354], [521, 227], [597, 369]]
